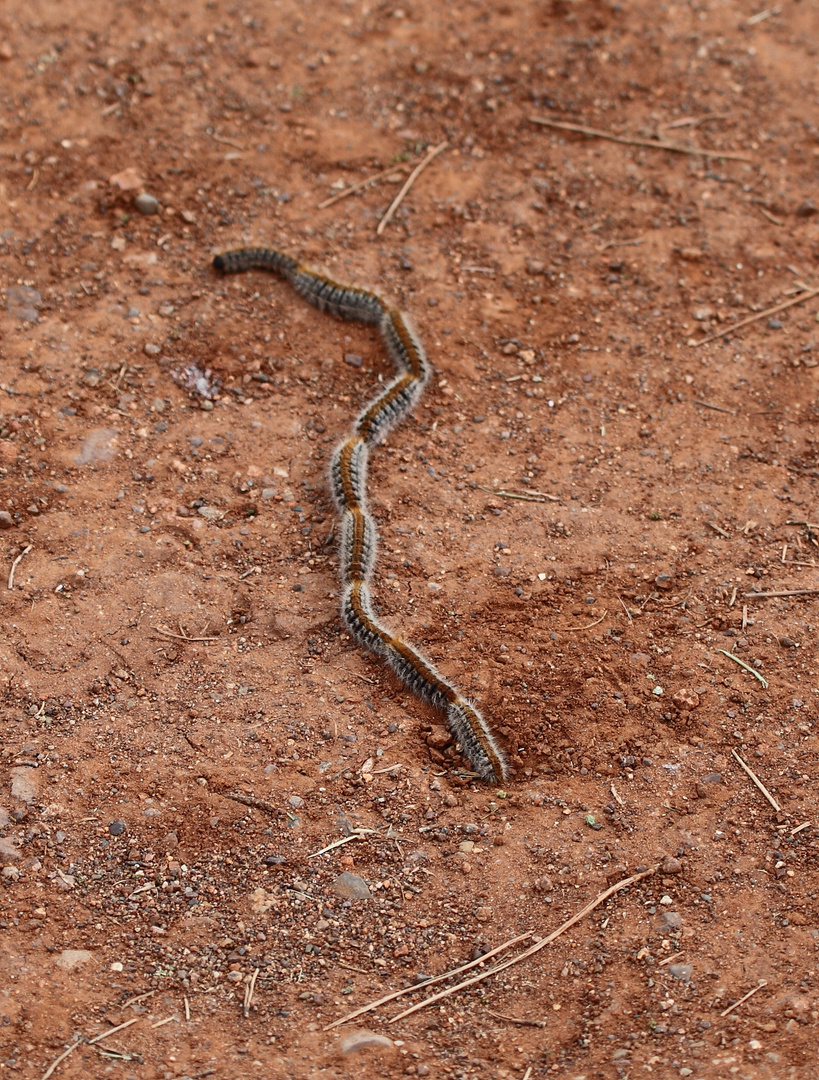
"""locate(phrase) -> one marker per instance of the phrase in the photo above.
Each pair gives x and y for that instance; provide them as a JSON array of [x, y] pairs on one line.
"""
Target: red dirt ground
[[171, 642]]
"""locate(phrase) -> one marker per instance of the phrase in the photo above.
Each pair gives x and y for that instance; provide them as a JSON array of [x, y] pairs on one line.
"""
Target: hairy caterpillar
[[348, 478]]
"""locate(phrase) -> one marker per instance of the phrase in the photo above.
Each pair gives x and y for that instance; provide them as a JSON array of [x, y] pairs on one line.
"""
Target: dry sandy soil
[[598, 528]]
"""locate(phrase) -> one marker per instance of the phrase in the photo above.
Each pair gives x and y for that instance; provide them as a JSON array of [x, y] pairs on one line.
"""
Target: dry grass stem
[[400, 168], [113, 1030], [187, 1006], [17, 562], [718, 529], [761, 16], [742, 1000], [716, 408], [588, 626], [139, 997], [517, 1019], [780, 592], [799, 828], [670, 959], [541, 944], [652, 144], [61, 1058], [759, 315], [162, 1023], [758, 782], [742, 663], [252, 800], [249, 989], [181, 637], [356, 834], [430, 982], [413, 176], [618, 798]]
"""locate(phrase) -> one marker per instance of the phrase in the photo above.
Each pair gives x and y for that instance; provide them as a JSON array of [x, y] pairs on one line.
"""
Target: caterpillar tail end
[[478, 744]]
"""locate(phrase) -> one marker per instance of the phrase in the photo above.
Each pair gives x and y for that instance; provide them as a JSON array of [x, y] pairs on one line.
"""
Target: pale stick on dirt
[[16, 563], [181, 637], [742, 663], [516, 1019], [413, 176], [357, 834], [799, 828], [430, 982], [534, 948], [780, 593], [249, 988], [362, 184], [758, 782], [742, 1000], [654, 144], [716, 408], [588, 626], [759, 315], [113, 1030], [61, 1058], [670, 959]]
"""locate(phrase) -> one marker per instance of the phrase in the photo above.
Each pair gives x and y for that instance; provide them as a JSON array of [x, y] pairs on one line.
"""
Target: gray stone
[[681, 971], [363, 1040], [146, 204], [671, 919], [71, 958], [23, 303], [351, 887], [8, 852], [98, 446], [24, 784]]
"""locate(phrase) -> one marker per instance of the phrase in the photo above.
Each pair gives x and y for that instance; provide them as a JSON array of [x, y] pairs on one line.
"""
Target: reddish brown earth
[[171, 637]]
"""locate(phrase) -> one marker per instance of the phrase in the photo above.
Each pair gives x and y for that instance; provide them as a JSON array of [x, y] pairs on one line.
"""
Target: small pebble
[[774, 324], [363, 1040], [150, 349], [146, 204], [353, 359], [116, 828], [681, 971], [6, 520], [351, 887]]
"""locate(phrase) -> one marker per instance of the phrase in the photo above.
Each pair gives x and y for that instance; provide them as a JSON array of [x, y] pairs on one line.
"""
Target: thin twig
[[759, 315], [139, 997], [716, 408], [717, 529], [61, 1058], [761, 16], [413, 176], [402, 167], [517, 1019], [628, 613], [670, 959], [223, 140], [534, 948], [573, 629], [799, 828], [16, 563], [742, 664], [357, 834], [113, 1030], [251, 800], [622, 243], [181, 637], [616, 795], [430, 982], [249, 988], [781, 592], [653, 144], [742, 1000], [758, 782], [767, 214], [525, 496]]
